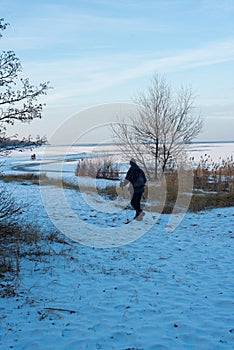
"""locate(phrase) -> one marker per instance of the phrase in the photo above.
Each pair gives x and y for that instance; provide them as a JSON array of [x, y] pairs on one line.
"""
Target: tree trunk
[[156, 160]]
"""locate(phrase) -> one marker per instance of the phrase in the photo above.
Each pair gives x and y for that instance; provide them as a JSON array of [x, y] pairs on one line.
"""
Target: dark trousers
[[136, 202]]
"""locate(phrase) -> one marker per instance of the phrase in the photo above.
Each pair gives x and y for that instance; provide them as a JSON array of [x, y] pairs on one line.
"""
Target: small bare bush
[[103, 168], [18, 243], [8, 206]]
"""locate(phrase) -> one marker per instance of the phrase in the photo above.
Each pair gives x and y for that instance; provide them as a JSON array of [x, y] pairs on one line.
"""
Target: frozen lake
[[53, 159]]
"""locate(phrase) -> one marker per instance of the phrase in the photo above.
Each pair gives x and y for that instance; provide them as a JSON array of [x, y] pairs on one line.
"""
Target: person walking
[[137, 179]]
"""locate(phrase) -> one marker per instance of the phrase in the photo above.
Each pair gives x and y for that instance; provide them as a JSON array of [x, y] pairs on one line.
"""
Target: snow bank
[[161, 292]]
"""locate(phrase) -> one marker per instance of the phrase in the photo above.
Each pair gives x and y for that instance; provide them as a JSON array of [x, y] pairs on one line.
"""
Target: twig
[[59, 309]]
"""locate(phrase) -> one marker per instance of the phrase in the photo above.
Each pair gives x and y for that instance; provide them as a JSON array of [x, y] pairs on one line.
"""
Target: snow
[[118, 286], [163, 291], [215, 150]]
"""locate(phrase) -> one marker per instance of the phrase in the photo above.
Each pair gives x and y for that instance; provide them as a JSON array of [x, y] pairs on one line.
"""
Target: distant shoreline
[[196, 142], [111, 143]]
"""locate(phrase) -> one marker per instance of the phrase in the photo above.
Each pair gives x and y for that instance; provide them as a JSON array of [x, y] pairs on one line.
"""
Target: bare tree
[[8, 207], [18, 97], [161, 127], [18, 103], [3, 25]]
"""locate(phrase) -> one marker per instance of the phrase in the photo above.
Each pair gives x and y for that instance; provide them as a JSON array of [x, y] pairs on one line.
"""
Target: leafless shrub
[[8, 207], [103, 168], [18, 243]]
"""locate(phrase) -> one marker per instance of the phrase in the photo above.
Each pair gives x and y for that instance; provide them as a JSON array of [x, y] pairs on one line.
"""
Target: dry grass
[[26, 177], [209, 201], [17, 243], [213, 188], [102, 168], [214, 176]]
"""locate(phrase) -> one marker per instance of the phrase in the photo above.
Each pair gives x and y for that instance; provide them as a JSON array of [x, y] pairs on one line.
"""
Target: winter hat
[[133, 161]]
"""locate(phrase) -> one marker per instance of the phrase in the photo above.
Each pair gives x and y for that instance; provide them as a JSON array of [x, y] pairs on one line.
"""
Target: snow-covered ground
[[163, 291], [149, 289]]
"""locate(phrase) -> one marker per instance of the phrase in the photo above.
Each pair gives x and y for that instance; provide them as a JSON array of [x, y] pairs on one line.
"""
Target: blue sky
[[100, 51]]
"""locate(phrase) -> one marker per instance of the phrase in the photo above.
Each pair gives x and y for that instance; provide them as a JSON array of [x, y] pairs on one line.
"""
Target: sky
[[104, 52]]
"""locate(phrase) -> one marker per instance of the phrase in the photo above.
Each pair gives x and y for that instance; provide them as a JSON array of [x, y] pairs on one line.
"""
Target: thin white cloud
[[81, 77], [75, 80]]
